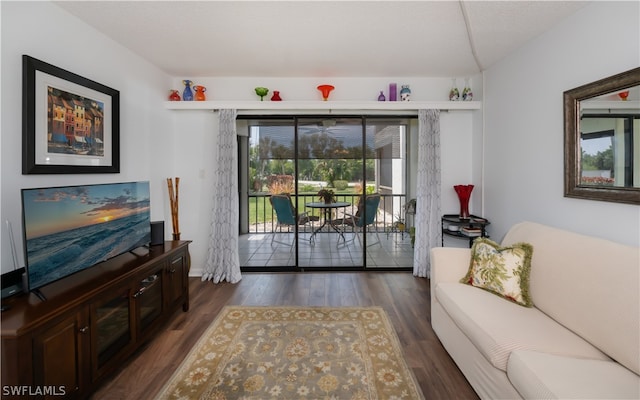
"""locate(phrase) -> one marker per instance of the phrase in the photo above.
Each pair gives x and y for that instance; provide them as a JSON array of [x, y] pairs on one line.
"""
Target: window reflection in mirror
[[609, 154]]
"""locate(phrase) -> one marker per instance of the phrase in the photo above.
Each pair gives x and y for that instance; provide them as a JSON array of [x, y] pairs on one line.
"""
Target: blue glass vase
[[187, 94]]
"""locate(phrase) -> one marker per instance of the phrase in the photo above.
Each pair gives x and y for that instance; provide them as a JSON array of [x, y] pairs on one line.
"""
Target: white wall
[[43, 31], [196, 133], [523, 114]]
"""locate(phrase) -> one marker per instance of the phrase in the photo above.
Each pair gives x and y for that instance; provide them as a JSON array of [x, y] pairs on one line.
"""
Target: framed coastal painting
[[70, 124]]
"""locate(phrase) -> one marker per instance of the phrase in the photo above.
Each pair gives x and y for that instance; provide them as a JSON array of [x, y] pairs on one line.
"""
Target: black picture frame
[[70, 124]]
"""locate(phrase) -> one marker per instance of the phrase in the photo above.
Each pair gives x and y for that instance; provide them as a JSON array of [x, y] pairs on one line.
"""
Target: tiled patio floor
[[393, 251]]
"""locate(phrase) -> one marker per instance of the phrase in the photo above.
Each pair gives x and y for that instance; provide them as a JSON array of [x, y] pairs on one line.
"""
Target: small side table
[[452, 225]]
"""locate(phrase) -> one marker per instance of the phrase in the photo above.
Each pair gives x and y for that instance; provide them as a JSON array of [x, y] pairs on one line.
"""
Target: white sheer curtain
[[428, 183], [223, 262]]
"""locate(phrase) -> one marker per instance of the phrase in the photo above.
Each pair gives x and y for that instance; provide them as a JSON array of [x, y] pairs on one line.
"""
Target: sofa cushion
[[501, 270], [588, 284], [546, 376], [497, 327]]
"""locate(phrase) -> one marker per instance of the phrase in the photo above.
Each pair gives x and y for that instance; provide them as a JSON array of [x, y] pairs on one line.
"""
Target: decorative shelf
[[618, 105], [323, 105]]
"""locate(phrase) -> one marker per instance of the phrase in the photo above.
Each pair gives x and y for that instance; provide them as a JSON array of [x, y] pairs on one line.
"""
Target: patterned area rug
[[295, 353]]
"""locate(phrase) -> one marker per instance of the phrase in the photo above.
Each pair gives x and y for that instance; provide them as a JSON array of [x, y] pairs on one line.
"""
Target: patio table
[[327, 209]]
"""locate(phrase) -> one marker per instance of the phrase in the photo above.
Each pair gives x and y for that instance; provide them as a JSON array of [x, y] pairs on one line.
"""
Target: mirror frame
[[572, 152]]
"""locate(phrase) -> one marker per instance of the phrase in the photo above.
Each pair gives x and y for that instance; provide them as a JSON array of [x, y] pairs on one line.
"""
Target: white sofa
[[580, 340]]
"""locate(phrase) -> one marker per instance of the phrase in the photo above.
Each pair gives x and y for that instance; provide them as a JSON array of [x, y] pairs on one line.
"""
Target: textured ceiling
[[322, 38]]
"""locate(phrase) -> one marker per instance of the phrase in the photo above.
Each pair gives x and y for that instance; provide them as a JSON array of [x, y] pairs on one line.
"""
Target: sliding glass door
[[334, 156], [271, 171], [359, 162]]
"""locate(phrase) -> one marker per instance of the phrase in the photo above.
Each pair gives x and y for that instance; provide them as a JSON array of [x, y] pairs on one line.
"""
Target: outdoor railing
[[262, 217]]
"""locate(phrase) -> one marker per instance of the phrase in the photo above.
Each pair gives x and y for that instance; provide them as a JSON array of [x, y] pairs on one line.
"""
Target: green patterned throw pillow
[[501, 270]]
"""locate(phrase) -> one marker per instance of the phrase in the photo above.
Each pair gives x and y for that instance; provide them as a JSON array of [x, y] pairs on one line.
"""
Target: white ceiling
[[322, 38]]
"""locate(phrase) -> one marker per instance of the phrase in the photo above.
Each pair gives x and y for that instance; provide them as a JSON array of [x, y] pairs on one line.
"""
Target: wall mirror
[[602, 139]]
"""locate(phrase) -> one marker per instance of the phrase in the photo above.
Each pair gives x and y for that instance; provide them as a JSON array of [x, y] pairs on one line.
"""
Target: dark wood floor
[[405, 298]]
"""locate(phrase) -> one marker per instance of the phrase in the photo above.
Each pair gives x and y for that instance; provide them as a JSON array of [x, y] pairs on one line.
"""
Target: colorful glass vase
[[393, 92], [261, 91], [325, 90], [464, 194], [467, 94], [381, 96], [405, 93], [200, 96], [187, 94], [276, 96], [454, 94], [174, 95]]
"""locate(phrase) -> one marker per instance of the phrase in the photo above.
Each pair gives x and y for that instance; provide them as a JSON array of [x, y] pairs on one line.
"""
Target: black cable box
[[12, 283]]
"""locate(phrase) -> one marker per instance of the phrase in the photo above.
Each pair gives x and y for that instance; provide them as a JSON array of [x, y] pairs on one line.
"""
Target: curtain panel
[[223, 262], [428, 188]]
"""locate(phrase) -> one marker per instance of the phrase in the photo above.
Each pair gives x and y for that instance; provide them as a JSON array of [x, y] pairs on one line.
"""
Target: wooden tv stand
[[90, 322]]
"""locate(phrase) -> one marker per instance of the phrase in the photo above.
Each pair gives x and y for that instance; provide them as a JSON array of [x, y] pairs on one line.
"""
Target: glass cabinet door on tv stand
[[123, 316], [148, 302], [111, 330]]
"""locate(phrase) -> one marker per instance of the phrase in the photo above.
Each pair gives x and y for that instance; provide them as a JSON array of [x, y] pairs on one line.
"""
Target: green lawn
[[260, 209]]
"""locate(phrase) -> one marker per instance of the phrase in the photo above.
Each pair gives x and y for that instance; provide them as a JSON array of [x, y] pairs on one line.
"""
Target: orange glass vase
[[200, 96]]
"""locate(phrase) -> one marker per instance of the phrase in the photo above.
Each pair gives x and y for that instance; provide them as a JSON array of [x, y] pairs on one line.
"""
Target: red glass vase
[[325, 90], [173, 95], [464, 194]]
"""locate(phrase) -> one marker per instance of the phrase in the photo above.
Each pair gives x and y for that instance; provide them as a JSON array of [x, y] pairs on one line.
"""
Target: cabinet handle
[[138, 293], [150, 279], [84, 329], [172, 271]]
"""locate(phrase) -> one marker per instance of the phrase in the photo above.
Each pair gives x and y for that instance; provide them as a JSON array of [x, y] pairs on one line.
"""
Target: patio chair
[[364, 217], [286, 216]]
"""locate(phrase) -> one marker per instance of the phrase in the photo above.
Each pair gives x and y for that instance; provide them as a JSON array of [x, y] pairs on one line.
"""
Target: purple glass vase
[[393, 92]]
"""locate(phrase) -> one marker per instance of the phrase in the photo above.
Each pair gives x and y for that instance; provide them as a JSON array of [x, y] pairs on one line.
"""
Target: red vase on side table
[[464, 194]]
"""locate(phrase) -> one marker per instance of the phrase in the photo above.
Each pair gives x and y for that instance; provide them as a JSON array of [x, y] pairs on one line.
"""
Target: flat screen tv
[[71, 228]]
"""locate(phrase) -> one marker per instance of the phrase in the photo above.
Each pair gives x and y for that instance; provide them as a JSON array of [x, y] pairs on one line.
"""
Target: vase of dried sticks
[[173, 203]]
